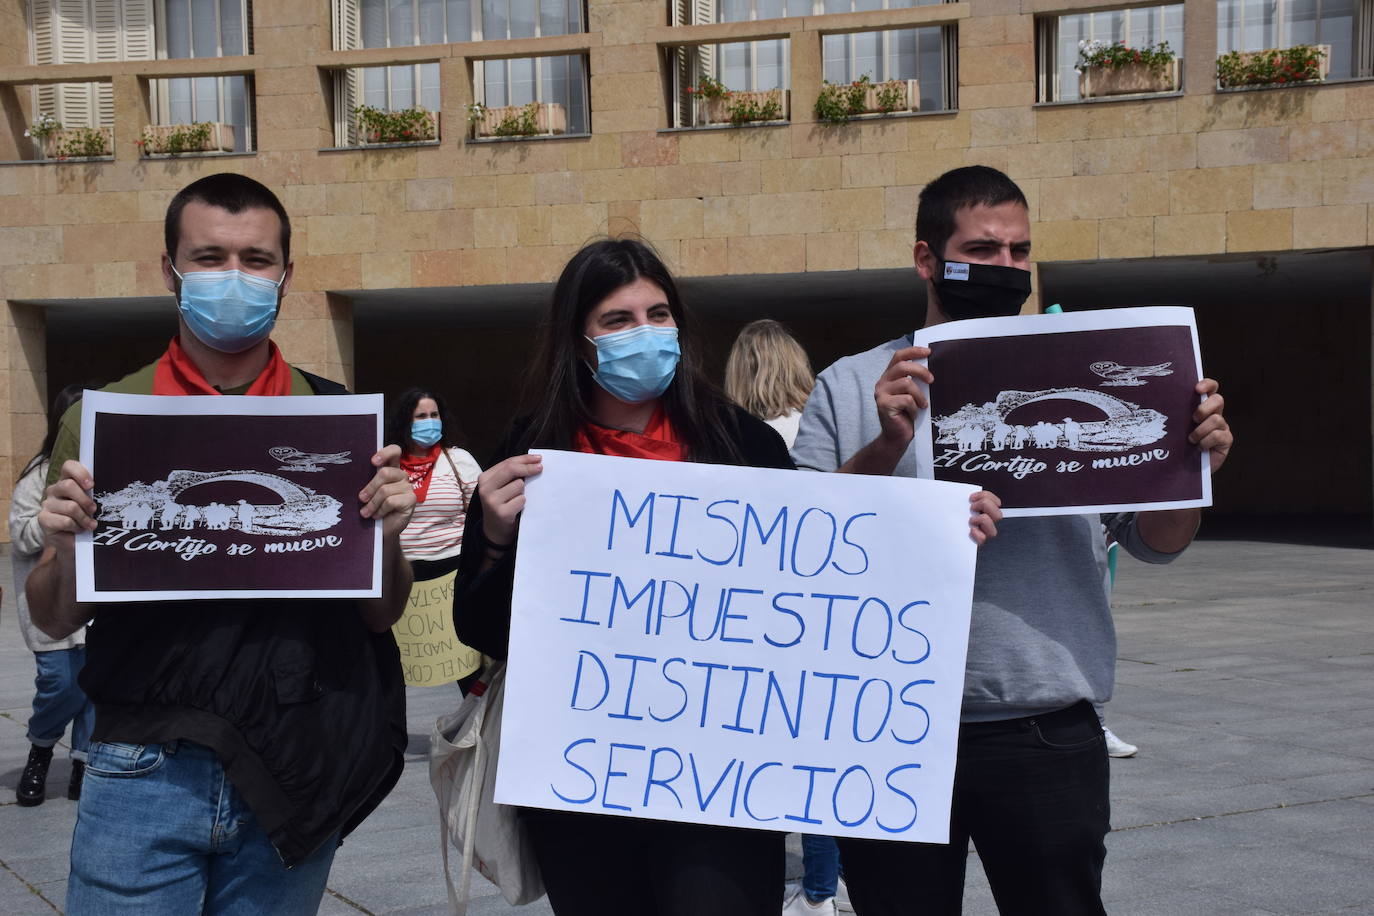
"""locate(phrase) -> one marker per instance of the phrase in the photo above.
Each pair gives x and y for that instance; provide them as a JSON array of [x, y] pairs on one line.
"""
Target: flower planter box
[[50, 146], [155, 137], [372, 137], [909, 100], [1323, 67], [551, 118], [1128, 79], [717, 111]]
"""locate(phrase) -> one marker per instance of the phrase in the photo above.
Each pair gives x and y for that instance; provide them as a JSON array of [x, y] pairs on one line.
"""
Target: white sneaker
[[794, 903], [842, 904], [1116, 747]]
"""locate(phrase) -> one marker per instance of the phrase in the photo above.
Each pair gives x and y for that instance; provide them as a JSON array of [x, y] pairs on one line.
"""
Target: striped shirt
[[435, 531]]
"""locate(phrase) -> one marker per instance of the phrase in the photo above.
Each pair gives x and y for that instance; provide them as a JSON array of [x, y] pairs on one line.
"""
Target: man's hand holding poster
[[1067, 414], [229, 497], [739, 646]]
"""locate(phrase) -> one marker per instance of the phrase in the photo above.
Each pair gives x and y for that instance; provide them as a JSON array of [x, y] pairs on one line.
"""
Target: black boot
[[74, 786], [33, 784]]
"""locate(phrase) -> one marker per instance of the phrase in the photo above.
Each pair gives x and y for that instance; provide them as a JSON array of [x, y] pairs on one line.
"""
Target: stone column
[[315, 333]]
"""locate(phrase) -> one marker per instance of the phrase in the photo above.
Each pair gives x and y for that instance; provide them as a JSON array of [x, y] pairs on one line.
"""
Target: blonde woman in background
[[769, 375]]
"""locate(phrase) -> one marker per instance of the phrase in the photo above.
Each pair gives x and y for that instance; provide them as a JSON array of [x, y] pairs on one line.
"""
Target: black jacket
[[303, 705], [481, 600]]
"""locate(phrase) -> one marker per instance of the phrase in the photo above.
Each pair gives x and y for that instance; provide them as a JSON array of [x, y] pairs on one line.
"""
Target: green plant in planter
[[82, 142], [408, 125], [837, 103], [891, 96], [43, 127], [1106, 56], [523, 123], [1298, 64], [710, 88], [744, 110], [180, 138]]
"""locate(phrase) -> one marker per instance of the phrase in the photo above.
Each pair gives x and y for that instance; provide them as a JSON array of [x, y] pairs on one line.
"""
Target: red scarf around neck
[[658, 441], [176, 374], [420, 470]]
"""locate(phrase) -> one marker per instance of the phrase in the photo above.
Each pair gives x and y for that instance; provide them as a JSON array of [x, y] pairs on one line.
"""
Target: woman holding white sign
[[443, 477], [616, 373]]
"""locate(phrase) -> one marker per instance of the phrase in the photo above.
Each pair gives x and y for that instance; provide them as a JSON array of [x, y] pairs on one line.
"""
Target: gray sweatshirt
[[1041, 636]]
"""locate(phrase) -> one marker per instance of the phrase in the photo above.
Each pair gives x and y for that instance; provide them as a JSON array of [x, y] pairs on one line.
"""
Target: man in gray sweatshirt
[[1031, 781]]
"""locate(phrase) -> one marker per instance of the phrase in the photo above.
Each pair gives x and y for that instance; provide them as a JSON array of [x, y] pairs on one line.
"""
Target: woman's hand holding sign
[[501, 489]]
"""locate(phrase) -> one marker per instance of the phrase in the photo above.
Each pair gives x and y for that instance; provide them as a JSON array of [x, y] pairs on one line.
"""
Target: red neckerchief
[[658, 441], [176, 374], [420, 470]]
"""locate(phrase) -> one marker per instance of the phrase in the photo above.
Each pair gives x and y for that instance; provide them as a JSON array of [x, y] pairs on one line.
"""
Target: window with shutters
[[92, 31], [1072, 63], [397, 23], [530, 96], [205, 28], [82, 32], [1345, 29], [925, 54]]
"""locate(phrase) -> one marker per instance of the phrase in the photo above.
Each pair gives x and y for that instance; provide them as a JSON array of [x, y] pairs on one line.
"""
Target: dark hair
[[402, 412], [956, 189], [559, 383], [228, 191], [60, 403]]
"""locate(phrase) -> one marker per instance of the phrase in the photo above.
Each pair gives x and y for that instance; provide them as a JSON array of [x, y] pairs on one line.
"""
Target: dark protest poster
[[1074, 413], [229, 497]]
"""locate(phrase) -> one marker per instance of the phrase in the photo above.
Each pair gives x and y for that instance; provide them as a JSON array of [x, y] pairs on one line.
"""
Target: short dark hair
[[402, 412], [956, 189], [228, 191]]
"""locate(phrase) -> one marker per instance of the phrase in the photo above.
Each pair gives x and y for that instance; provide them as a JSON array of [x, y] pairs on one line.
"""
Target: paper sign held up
[[758, 648], [1067, 414]]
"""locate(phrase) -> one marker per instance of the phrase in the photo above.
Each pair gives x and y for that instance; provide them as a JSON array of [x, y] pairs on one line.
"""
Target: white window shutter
[[137, 31], [347, 37], [42, 53], [72, 27], [703, 12]]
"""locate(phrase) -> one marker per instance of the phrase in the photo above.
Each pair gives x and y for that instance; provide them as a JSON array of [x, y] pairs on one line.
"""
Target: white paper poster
[[1067, 414], [229, 497], [759, 648]]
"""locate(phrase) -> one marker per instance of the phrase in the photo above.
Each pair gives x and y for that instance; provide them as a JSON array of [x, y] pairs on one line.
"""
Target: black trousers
[[597, 865], [1032, 794]]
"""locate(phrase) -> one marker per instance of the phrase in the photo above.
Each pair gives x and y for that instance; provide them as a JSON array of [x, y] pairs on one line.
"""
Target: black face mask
[[981, 290]]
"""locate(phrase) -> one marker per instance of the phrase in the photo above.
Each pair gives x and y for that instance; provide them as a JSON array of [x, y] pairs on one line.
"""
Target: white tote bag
[[462, 769]]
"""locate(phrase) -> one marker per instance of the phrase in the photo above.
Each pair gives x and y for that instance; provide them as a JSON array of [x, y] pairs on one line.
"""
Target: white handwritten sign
[[1067, 414], [759, 648], [228, 497]]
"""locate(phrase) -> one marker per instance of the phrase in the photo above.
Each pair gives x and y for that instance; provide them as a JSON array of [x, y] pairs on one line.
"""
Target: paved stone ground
[[1246, 675]]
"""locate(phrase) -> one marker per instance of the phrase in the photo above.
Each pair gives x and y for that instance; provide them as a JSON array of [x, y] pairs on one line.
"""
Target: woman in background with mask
[[616, 373], [443, 477]]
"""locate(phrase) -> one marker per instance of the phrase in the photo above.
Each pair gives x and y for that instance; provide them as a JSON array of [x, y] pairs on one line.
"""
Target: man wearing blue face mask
[[1031, 778], [236, 741]]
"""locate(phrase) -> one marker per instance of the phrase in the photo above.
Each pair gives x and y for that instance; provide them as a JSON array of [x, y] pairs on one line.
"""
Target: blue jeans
[[161, 830], [58, 699], [820, 867], [1032, 794]]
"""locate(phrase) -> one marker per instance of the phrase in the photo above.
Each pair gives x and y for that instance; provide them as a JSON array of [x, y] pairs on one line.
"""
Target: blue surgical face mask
[[427, 432], [638, 364], [228, 310]]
